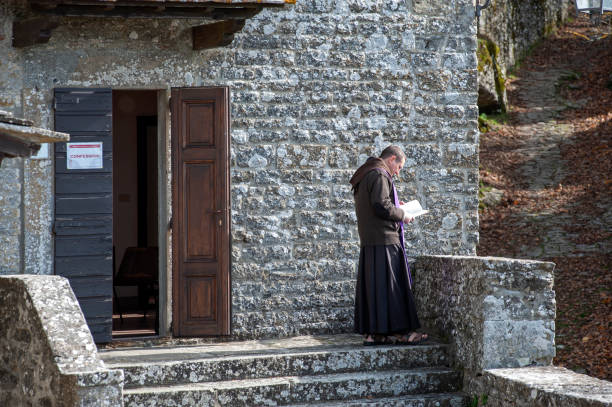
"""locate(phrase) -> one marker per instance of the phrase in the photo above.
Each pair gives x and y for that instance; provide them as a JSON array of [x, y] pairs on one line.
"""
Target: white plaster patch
[[380, 143], [377, 123], [240, 136], [342, 8], [341, 124], [257, 161], [354, 113], [408, 40], [267, 96], [450, 221], [268, 29], [286, 190], [376, 42]]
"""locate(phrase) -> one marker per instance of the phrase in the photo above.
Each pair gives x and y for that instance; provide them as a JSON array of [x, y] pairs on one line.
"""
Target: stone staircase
[[333, 370]]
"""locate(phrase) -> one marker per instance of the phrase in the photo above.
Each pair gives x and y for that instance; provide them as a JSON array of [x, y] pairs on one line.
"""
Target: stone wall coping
[[491, 259], [59, 313], [552, 384], [33, 134], [67, 333], [46, 307]]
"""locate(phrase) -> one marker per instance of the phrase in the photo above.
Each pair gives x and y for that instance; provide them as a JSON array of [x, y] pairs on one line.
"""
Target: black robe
[[384, 303]]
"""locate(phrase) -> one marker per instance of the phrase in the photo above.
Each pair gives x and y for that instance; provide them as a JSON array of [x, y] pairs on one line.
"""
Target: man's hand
[[408, 219]]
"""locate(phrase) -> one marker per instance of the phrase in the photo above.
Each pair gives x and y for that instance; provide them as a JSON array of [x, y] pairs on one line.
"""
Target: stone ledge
[[541, 387], [33, 134]]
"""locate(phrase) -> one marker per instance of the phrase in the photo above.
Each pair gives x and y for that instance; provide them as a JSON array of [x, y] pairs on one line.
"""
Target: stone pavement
[[536, 122]]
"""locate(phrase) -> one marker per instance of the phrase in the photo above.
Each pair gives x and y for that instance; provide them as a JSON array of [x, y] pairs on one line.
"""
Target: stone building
[[225, 135]]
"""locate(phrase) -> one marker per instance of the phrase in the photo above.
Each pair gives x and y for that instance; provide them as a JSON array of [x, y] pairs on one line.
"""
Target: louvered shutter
[[84, 206]]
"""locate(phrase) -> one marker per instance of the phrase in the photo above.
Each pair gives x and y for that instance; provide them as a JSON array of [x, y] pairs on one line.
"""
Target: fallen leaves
[[580, 202]]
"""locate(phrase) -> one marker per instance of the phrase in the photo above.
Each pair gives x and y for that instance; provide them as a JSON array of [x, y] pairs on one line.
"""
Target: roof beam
[[32, 31], [217, 12], [216, 34]]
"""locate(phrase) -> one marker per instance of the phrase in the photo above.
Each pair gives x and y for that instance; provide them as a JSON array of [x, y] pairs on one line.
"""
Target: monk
[[385, 312]]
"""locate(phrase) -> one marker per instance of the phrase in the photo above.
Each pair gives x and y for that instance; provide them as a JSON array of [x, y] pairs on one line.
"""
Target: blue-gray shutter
[[84, 207]]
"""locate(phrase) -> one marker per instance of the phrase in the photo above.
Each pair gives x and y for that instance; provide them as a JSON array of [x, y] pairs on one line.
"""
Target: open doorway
[[135, 214]]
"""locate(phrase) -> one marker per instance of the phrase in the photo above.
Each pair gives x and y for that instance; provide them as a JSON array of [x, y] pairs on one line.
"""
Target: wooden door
[[200, 211], [83, 224]]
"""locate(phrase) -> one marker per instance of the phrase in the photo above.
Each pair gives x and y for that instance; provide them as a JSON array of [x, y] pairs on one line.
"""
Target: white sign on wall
[[82, 156]]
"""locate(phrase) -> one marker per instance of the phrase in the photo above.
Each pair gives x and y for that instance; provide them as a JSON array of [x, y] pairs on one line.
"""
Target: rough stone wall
[[11, 171], [513, 27], [26, 186], [11, 184], [315, 89], [47, 354], [496, 312]]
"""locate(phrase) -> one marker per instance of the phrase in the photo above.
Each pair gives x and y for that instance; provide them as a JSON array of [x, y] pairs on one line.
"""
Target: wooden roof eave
[[216, 9], [233, 14]]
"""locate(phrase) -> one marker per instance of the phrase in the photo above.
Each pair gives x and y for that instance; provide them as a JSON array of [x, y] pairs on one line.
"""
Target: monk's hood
[[370, 164]]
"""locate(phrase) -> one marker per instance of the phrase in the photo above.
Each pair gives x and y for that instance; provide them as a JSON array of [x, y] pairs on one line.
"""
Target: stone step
[[146, 367], [290, 390], [418, 400]]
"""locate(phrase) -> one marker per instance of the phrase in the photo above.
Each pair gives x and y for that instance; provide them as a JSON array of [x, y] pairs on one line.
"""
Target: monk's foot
[[413, 338]]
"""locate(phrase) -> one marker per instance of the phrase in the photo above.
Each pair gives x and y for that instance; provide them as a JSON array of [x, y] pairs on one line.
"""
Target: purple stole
[[397, 204]]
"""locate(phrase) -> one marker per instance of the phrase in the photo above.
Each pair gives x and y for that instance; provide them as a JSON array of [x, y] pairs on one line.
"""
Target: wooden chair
[[139, 267]]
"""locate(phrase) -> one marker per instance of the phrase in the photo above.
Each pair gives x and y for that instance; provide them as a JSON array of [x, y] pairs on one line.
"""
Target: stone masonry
[[315, 89], [496, 312]]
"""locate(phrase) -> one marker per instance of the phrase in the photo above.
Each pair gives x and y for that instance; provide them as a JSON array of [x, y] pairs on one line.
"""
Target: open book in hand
[[413, 209]]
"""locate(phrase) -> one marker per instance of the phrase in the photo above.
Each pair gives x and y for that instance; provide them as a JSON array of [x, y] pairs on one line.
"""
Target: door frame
[[164, 207]]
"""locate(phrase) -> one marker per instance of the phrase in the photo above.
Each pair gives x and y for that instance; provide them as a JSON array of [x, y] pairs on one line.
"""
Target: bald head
[[393, 151]]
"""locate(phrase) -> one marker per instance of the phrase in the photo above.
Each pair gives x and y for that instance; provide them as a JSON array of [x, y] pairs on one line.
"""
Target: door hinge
[[170, 222]]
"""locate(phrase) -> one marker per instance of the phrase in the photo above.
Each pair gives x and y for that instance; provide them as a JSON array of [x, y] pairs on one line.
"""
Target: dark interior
[[135, 214]]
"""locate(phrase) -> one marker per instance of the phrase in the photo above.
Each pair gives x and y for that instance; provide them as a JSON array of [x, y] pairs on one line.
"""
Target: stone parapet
[[47, 352], [495, 312], [539, 387]]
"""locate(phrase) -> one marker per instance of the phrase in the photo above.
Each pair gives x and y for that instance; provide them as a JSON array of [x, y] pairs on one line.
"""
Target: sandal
[[412, 339]]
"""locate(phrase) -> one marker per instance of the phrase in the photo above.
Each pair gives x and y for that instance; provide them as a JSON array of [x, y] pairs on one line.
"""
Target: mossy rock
[[487, 54]]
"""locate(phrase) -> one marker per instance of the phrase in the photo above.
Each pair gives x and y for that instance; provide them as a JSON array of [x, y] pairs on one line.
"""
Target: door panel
[[202, 297], [201, 126], [200, 159], [83, 206], [199, 217]]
